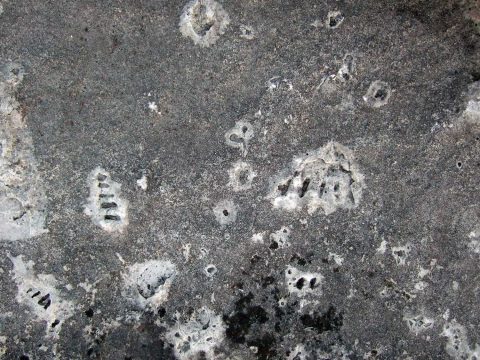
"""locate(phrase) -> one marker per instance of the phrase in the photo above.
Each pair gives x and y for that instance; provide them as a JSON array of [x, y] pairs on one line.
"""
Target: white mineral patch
[[3, 339], [147, 285], [22, 196], [299, 353], [282, 302], [420, 286], [203, 21], [383, 247], [457, 342], [105, 206], [326, 178], [336, 258], [142, 183], [423, 272], [186, 248], [474, 246], [345, 73], [258, 238], [247, 32], [303, 283], [281, 237], [472, 111], [41, 294], [378, 94], [201, 333], [400, 253], [474, 243], [153, 107], [241, 175], [418, 323]]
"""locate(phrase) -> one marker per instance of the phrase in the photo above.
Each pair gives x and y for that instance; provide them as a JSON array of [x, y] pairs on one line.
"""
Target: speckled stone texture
[[239, 180]]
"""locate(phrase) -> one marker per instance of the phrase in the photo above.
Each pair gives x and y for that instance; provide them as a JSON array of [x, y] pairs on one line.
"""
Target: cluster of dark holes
[[43, 301], [151, 288], [104, 199], [283, 188], [302, 282]]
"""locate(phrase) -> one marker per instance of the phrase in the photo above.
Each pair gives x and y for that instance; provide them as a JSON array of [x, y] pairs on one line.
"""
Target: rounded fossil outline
[[147, 284], [327, 178], [239, 136], [216, 20], [225, 212], [378, 94], [235, 175]]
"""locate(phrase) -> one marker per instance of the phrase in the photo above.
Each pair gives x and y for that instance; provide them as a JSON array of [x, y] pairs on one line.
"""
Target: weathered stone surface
[[239, 179]]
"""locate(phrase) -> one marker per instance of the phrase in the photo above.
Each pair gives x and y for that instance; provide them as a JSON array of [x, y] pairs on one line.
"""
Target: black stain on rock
[[243, 317], [265, 346], [329, 321]]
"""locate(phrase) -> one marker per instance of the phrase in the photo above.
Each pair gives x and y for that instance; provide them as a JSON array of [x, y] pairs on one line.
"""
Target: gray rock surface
[[239, 179]]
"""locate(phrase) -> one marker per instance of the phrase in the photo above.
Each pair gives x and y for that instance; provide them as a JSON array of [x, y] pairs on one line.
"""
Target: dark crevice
[[284, 188], [112, 217], [304, 188]]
